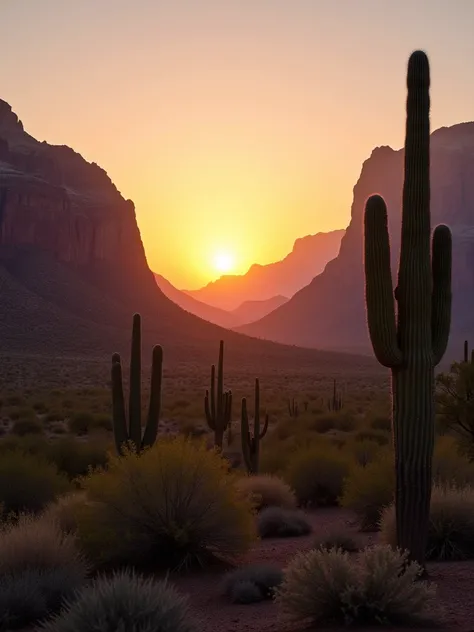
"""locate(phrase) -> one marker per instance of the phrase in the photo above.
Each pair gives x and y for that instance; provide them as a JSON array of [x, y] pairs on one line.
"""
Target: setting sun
[[223, 261]]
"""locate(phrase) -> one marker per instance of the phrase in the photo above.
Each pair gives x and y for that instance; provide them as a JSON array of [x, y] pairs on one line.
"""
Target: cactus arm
[[441, 297], [135, 399], [378, 284], [118, 405], [245, 435], [265, 427], [220, 385], [210, 402], [151, 429]]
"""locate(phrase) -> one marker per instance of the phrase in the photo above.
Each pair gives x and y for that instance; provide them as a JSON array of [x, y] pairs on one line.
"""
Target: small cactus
[[335, 402], [219, 410], [251, 444], [131, 434], [466, 353], [293, 409]]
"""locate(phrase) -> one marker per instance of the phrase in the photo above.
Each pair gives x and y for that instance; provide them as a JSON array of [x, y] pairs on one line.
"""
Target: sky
[[235, 126]]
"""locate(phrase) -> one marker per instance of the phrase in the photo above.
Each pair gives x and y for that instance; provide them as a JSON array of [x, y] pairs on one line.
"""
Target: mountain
[[245, 313], [73, 270], [308, 258], [249, 311], [330, 312], [207, 312]]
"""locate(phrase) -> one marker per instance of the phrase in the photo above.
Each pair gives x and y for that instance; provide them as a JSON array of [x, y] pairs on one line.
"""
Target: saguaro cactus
[[335, 402], [251, 445], [218, 409], [293, 409], [414, 342], [131, 433]]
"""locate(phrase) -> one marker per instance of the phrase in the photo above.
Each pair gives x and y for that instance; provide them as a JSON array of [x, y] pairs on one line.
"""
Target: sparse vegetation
[[378, 587], [267, 491], [276, 522]]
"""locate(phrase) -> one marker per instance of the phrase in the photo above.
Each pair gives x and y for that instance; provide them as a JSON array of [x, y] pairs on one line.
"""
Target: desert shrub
[[29, 444], [382, 438], [449, 465], [267, 491], [451, 525], [379, 586], [337, 540], [250, 584], [317, 474], [23, 427], [65, 510], [383, 423], [28, 482], [367, 490], [276, 522], [175, 504], [126, 602], [39, 568], [74, 458], [84, 423]]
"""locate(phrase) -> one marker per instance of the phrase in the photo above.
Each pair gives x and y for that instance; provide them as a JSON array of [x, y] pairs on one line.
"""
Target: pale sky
[[235, 126]]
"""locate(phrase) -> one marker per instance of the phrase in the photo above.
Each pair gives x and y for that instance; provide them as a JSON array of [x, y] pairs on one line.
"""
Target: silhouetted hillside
[[330, 312]]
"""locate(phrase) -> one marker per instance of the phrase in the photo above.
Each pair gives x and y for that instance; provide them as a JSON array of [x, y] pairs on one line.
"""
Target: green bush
[[275, 522], [449, 465], [39, 568], [367, 490], [365, 451], [451, 526], [251, 584], [317, 474], [173, 505], [267, 491], [84, 423], [23, 427], [125, 602], [28, 482], [376, 586]]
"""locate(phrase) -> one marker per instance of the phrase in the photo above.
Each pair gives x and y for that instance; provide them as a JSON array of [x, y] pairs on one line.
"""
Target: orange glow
[[235, 127]]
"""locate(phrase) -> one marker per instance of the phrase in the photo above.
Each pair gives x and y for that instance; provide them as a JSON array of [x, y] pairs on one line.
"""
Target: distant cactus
[[466, 353], [132, 434], [219, 409], [293, 409], [413, 342], [251, 444], [335, 402]]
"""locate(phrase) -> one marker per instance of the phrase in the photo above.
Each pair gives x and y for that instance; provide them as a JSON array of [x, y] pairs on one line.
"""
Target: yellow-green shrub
[[367, 490], [174, 504], [449, 465], [267, 491], [317, 474]]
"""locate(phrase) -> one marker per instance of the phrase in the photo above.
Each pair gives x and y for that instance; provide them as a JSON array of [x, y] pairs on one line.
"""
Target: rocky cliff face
[[54, 200], [330, 311]]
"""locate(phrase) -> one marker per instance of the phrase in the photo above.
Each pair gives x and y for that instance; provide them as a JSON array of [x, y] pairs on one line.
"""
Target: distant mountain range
[[330, 312], [247, 312], [73, 271], [308, 258]]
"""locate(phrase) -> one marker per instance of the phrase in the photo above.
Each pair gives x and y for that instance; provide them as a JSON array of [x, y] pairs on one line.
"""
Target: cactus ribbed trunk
[[218, 406], [413, 433]]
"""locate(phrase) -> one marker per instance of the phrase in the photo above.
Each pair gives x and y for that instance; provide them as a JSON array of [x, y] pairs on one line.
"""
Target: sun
[[223, 261]]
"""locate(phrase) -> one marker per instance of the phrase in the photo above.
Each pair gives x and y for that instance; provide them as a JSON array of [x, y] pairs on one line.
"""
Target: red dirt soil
[[454, 580]]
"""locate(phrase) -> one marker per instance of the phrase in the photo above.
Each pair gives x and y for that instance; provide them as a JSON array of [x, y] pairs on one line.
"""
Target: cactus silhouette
[[218, 409], [251, 444], [293, 409], [132, 433], [335, 402], [412, 339]]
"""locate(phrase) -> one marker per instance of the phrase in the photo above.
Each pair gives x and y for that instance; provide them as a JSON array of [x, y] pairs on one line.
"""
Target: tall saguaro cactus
[[131, 433], [412, 342], [251, 445], [218, 409]]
